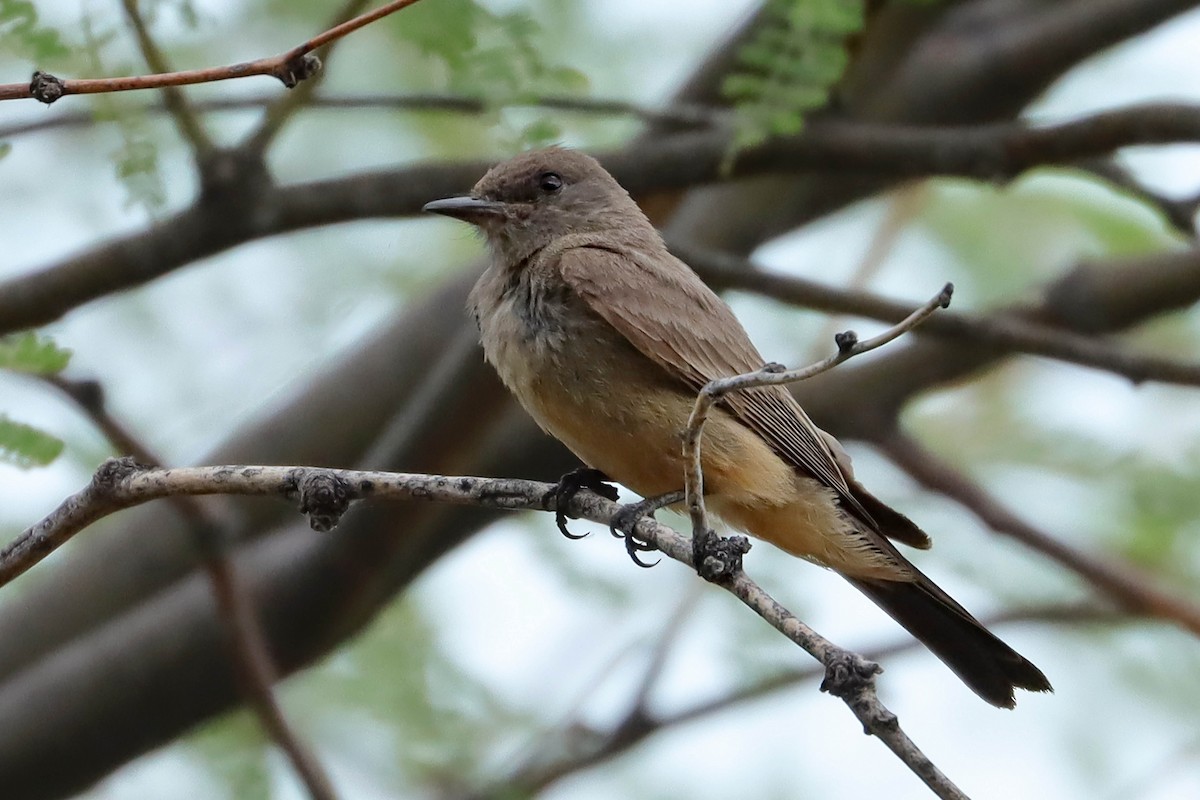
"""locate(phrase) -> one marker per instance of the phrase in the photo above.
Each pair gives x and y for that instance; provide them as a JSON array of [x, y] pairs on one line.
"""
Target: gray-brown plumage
[[605, 338]]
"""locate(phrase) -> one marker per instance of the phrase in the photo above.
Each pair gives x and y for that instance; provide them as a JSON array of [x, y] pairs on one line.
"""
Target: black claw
[[625, 521], [570, 485], [718, 559], [632, 546]]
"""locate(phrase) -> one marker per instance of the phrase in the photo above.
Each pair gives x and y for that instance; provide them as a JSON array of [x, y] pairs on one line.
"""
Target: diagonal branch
[[1004, 329], [248, 642], [284, 106], [325, 495], [174, 100], [775, 375], [289, 67], [639, 723], [1121, 581]]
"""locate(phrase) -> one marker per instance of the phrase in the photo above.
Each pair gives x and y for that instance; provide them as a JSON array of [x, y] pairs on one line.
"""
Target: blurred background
[[453, 653]]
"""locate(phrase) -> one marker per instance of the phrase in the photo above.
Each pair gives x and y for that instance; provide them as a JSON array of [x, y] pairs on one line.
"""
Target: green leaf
[[25, 446], [22, 36], [497, 57], [28, 352], [788, 66], [135, 159], [5, 149]]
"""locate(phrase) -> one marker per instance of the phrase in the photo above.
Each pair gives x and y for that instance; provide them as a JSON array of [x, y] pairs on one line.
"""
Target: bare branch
[[1123, 582], [290, 68], [681, 116], [1007, 329], [848, 675], [601, 746], [173, 99], [775, 375], [284, 106], [325, 495]]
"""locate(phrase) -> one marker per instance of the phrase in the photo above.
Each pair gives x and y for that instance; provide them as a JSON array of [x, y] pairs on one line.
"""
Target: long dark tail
[[990, 667]]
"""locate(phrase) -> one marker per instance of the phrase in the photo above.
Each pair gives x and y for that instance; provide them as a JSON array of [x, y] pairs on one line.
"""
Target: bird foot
[[718, 558], [624, 523], [570, 485]]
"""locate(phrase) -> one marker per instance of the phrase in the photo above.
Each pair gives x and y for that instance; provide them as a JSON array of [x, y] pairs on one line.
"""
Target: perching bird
[[605, 338]]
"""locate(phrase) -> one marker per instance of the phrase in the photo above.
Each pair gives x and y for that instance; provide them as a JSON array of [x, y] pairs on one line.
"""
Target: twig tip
[[944, 297]]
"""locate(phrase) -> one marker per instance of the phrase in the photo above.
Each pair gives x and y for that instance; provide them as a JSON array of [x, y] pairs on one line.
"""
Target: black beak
[[468, 209]]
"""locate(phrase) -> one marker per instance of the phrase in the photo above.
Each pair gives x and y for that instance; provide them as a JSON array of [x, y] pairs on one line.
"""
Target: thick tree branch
[[289, 67], [673, 162], [325, 495], [1007, 330]]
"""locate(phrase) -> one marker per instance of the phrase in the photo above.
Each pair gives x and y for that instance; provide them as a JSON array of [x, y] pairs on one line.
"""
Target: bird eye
[[550, 182]]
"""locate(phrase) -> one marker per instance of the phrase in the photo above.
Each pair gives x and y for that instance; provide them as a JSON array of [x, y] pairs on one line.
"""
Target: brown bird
[[605, 338]]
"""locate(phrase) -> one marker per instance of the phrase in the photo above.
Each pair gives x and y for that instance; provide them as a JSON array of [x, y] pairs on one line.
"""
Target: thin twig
[[848, 675], [601, 746], [681, 116], [289, 67], [1121, 581], [557, 750], [902, 207], [1007, 329], [325, 495], [284, 106], [248, 643], [773, 375], [173, 99]]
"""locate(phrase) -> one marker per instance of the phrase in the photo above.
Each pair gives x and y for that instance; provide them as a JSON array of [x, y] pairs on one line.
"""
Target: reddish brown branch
[[284, 106], [1123, 582], [289, 67]]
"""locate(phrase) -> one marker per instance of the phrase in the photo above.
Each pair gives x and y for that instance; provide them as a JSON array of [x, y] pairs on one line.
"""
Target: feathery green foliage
[[28, 352], [135, 159], [25, 446], [789, 65], [21, 444], [22, 35], [494, 56]]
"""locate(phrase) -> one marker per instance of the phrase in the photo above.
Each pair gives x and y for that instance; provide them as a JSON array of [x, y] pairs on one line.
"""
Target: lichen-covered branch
[[325, 495]]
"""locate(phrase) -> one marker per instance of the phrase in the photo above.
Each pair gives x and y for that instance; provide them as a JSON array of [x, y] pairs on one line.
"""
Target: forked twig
[[849, 676], [775, 375]]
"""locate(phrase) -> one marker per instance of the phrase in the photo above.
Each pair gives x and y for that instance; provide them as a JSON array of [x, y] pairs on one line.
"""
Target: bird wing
[[699, 341]]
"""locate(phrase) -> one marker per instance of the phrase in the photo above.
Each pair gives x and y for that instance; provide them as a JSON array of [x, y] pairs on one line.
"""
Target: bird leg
[[624, 522], [570, 485]]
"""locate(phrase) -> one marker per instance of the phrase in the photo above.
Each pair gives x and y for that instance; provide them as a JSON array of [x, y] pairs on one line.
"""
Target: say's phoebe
[[605, 338]]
